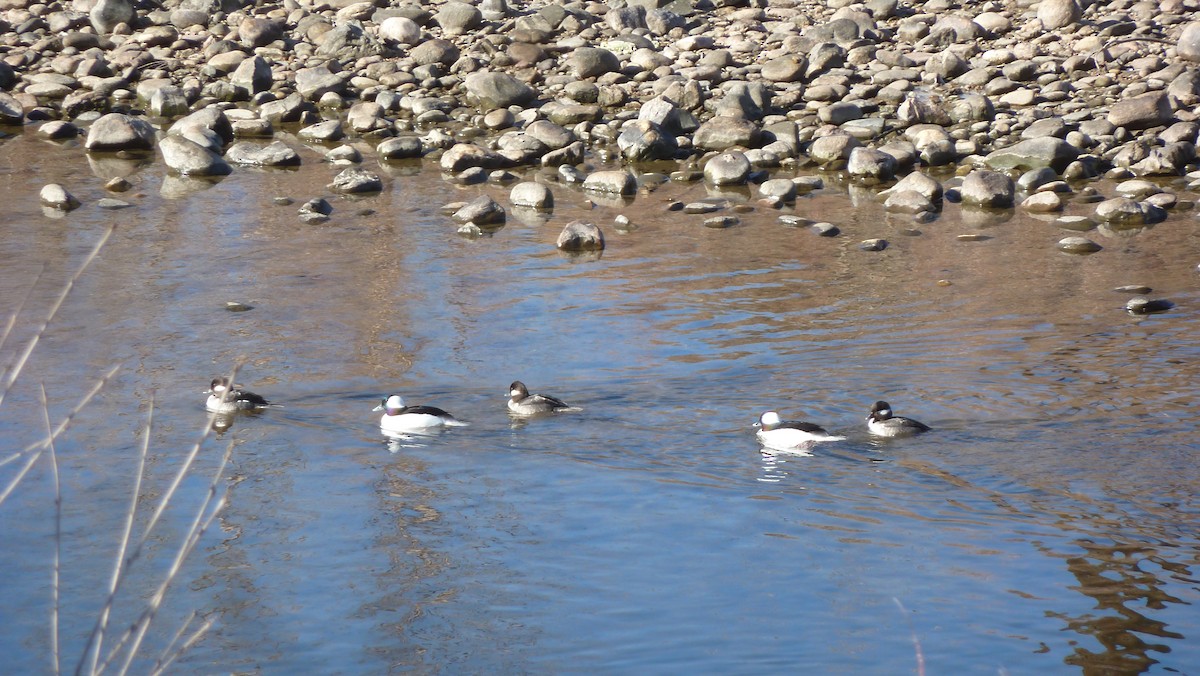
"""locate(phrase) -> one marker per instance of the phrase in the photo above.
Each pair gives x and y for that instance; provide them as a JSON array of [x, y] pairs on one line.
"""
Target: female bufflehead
[[773, 432], [225, 397], [400, 418], [881, 422], [522, 402]]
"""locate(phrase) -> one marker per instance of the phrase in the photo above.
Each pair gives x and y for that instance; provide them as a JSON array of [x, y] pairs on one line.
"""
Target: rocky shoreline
[[1022, 99]]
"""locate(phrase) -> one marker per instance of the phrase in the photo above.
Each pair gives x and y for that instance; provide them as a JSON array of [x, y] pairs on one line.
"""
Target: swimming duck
[[522, 402], [774, 432], [400, 418], [225, 397], [881, 422]]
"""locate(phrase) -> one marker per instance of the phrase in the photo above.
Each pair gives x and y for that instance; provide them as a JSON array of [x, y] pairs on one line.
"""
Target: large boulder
[[189, 158], [118, 131], [497, 90]]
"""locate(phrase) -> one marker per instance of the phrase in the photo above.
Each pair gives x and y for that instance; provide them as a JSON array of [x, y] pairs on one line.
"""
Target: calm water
[[1049, 524]]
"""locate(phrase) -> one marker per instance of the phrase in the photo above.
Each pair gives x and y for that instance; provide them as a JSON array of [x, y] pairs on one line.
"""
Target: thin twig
[[19, 364], [169, 659], [199, 526], [12, 318], [36, 448], [54, 575], [120, 565], [174, 639]]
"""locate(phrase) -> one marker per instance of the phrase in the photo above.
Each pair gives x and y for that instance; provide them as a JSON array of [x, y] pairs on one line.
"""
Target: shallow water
[[1048, 523]]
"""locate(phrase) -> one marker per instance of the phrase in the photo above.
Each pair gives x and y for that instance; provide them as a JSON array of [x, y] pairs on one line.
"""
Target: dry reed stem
[[119, 566], [137, 631], [12, 318], [171, 653], [23, 358], [54, 575], [36, 448]]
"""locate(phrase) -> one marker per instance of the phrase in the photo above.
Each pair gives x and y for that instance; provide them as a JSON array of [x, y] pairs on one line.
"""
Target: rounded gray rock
[[276, 154], [989, 189], [730, 168], [497, 90], [611, 181], [55, 196], [869, 163], [356, 180], [482, 210], [1055, 14], [1078, 245], [117, 131], [580, 236], [189, 158], [531, 194]]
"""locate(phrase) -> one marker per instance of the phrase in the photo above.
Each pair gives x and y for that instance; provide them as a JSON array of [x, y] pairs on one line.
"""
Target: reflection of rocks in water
[[1112, 575], [531, 215], [107, 166], [986, 218], [736, 194], [176, 187]]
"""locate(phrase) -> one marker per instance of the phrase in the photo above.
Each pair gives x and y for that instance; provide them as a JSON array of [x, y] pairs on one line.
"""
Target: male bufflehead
[[522, 402], [225, 397], [774, 432], [881, 422], [400, 418]]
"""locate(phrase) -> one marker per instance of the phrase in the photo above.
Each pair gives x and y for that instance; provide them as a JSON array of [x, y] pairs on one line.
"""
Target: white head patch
[[770, 418]]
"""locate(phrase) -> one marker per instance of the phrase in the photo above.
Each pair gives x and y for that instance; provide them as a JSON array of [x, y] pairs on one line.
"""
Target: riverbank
[[878, 88]]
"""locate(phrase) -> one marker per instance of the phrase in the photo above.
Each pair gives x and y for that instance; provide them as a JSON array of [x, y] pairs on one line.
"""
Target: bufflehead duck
[[522, 402], [400, 418], [225, 397], [881, 422], [774, 432]]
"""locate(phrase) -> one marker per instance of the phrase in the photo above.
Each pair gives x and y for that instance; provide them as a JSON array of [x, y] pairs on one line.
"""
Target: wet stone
[[55, 196], [1078, 245], [481, 211], [580, 236], [721, 222], [1146, 306], [1137, 289], [876, 244], [356, 180], [827, 230]]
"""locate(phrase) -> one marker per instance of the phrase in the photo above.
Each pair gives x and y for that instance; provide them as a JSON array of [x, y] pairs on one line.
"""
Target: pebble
[[1146, 306], [1078, 245]]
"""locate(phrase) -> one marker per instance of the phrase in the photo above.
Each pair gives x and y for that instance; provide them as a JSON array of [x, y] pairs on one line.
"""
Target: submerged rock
[[356, 180], [1078, 245]]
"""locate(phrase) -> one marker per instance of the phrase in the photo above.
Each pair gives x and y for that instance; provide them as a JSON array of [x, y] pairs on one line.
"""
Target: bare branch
[[54, 574], [120, 566], [37, 447], [21, 360]]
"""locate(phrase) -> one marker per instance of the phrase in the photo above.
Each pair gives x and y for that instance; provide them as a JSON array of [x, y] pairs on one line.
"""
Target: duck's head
[[768, 420], [518, 391], [219, 386], [880, 411], [391, 405]]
